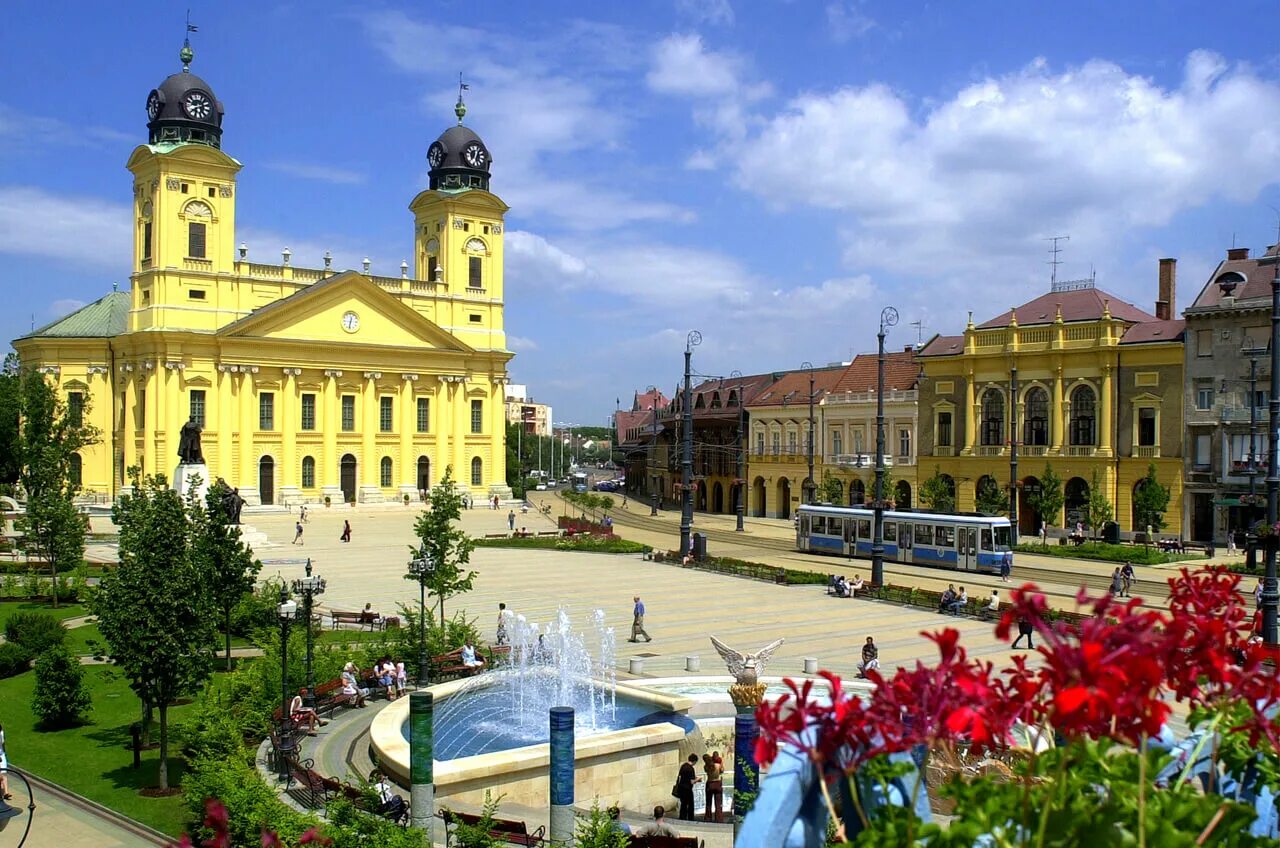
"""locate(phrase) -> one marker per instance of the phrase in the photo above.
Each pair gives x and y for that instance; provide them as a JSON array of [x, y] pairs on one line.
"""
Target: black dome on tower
[[458, 158], [184, 108]]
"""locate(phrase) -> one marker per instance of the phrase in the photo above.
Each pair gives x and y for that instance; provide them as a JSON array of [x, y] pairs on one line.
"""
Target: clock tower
[[184, 191]]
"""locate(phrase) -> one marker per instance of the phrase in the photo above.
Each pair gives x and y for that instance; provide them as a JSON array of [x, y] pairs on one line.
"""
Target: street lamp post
[[286, 611], [308, 587], [810, 484], [888, 318], [8, 812], [652, 391], [1269, 594], [1251, 538], [420, 568], [743, 441], [686, 454], [1013, 452]]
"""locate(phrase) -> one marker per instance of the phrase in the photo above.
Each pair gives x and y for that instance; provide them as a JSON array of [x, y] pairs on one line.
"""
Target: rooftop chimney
[[1166, 300], [1234, 253]]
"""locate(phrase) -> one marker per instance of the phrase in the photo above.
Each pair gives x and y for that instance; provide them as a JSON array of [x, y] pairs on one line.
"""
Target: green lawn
[[93, 760], [86, 641], [63, 612]]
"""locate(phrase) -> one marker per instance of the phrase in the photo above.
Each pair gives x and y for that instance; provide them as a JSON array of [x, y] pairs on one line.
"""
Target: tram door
[[904, 541], [967, 549]]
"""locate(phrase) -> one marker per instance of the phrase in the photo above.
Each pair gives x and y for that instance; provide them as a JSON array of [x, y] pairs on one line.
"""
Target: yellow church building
[[311, 385]]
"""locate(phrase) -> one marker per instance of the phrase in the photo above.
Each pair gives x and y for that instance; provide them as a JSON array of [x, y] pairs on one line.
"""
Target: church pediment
[[344, 309]]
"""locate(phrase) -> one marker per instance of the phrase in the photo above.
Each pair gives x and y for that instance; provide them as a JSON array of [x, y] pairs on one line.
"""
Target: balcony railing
[[989, 450], [858, 460], [1081, 450], [1146, 451], [944, 450], [1033, 450]]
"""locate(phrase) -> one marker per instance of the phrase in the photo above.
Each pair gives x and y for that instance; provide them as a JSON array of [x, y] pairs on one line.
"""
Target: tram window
[[835, 527], [891, 531], [1003, 538], [986, 538], [924, 534], [819, 525], [864, 528], [946, 537], [848, 530]]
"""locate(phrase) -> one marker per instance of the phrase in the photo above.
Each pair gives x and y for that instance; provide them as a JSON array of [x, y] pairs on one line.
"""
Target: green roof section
[[105, 317]]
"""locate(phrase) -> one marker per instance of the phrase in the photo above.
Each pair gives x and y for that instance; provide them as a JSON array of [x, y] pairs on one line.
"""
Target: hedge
[[1135, 554], [584, 542]]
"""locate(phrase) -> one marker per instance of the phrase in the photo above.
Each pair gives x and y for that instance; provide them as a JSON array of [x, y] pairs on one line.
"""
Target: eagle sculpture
[[746, 667]]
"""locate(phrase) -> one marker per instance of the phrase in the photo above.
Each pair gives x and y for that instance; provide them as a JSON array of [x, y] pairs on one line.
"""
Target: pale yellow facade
[[312, 385]]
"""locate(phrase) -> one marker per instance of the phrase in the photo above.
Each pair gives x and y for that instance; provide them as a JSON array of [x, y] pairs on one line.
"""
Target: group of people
[[845, 588], [686, 779], [953, 601], [1122, 580]]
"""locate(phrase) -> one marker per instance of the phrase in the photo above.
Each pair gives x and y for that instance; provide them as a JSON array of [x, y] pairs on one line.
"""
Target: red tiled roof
[[1154, 331], [793, 387], [1257, 274], [900, 372], [944, 346], [1079, 305]]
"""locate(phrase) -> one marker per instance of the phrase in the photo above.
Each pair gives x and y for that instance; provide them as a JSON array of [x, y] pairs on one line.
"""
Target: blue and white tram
[[961, 542]]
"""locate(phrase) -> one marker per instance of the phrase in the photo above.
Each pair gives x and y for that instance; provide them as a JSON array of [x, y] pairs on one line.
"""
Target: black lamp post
[[1269, 594], [1251, 500], [743, 441], [8, 812], [810, 484], [308, 587], [888, 318], [1013, 452], [286, 611], [421, 568], [686, 453]]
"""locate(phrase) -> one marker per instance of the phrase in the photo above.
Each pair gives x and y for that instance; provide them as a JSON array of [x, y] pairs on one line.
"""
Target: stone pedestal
[[746, 771], [183, 474]]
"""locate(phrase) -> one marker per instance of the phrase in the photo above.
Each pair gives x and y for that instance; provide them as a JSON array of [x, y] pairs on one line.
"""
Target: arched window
[[857, 493], [902, 495], [477, 472], [385, 472], [1083, 427], [75, 474], [1035, 428], [308, 472], [993, 417]]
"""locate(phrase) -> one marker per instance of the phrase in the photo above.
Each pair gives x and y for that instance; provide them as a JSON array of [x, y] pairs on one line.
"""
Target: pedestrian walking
[[302, 514], [346, 532], [297, 533], [1024, 629], [1117, 582], [714, 768], [496, 504], [870, 657], [685, 780], [504, 624], [637, 622], [511, 520], [1126, 577], [1006, 566]]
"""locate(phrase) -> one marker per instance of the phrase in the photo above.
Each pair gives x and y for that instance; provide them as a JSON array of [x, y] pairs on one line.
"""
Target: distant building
[[637, 429], [522, 409]]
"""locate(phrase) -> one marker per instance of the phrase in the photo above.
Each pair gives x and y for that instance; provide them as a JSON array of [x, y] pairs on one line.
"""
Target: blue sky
[[769, 173]]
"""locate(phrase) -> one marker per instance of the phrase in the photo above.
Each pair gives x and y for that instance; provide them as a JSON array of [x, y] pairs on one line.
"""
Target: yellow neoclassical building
[[309, 384], [1077, 379]]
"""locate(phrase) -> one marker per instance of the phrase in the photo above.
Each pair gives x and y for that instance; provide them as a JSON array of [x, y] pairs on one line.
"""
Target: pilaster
[[408, 414], [246, 401], [1105, 424], [129, 424], [150, 412], [442, 425], [370, 490], [225, 407], [970, 414], [329, 451], [170, 421], [1057, 420], [289, 483]]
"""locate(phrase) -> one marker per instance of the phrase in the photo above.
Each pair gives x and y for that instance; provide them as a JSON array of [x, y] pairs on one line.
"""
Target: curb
[[147, 835]]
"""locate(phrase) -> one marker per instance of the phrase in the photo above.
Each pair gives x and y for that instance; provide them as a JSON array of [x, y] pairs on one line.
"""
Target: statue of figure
[[748, 691], [189, 444], [232, 502]]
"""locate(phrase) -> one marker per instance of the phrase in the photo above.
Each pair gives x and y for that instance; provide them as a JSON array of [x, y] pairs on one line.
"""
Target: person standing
[[1024, 629], [714, 768], [637, 622], [504, 624], [346, 532], [684, 787], [1117, 582], [1126, 579], [511, 520], [870, 657], [297, 533]]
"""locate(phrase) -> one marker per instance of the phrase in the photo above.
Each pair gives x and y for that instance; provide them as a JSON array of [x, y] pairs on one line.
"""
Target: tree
[[49, 436], [10, 404], [59, 699], [596, 830], [155, 610], [832, 489], [227, 563], [446, 544], [1049, 500], [1098, 510], [1150, 501], [991, 498], [938, 493]]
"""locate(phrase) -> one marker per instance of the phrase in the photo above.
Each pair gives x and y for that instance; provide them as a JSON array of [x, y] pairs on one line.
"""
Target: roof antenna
[[1054, 250], [920, 326]]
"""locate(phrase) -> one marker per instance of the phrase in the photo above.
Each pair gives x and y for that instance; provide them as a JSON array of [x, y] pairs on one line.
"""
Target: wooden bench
[[450, 665], [496, 652], [543, 534], [329, 696], [665, 842], [306, 785], [497, 535], [374, 621], [505, 830]]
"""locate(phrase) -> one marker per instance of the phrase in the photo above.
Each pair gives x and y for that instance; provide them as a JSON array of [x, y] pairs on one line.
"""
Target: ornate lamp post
[[287, 611], [686, 453], [809, 483], [743, 441], [308, 587], [1269, 594], [652, 391], [888, 318], [1013, 451], [8, 812], [421, 568]]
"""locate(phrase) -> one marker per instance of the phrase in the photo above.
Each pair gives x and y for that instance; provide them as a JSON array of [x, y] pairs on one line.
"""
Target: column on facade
[[496, 472], [369, 463], [159, 387], [224, 409], [459, 408], [289, 424], [329, 414], [129, 424], [174, 416], [408, 424], [150, 385], [970, 414], [245, 403], [1057, 419], [442, 426], [1105, 422]]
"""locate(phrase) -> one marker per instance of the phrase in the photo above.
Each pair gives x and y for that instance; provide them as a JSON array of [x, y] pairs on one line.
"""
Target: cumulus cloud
[[320, 173], [67, 228], [718, 12], [682, 65]]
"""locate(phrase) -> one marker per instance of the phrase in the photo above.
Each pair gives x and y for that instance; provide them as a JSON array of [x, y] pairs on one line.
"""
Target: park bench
[[509, 831], [329, 696], [371, 620], [544, 534], [450, 665], [497, 535], [305, 785], [665, 842], [497, 651]]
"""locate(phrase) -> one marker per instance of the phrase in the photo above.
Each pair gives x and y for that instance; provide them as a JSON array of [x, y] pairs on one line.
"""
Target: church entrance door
[[348, 478], [267, 480]]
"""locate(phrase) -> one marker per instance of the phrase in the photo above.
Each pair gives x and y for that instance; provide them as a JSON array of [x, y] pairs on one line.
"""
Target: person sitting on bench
[[390, 805], [856, 586], [351, 684], [469, 658], [842, 587], [303, 716], [958, 603]]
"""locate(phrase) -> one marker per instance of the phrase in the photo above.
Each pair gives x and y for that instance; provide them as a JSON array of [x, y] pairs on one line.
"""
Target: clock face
[[197, 105], [475, 155], [435, 154], [154, 103], [350, 322]]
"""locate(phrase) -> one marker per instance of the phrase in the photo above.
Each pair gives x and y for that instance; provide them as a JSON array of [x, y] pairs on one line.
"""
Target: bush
[[60, 698], [34, 631], [14, 659], [251, 804], [256, 609], [1136, 554]]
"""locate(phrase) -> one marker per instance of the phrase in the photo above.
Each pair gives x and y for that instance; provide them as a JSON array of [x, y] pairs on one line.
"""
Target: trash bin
[[699, 546], [1111, 533]]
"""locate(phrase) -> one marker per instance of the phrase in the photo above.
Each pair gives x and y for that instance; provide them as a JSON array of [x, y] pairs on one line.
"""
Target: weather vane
[[461, 108], [186, 54]]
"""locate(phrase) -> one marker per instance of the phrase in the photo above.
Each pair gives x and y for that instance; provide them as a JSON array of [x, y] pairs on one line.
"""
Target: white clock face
[[350, 322], [153, 105], [435, 154], [197, 105], [475, 155]]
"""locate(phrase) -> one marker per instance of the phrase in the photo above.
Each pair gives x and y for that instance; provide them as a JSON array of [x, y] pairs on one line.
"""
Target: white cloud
[[682, 65], [707, 11], [65, 306], [77, 229], [320, 173], [846, 20], [18, 129]]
